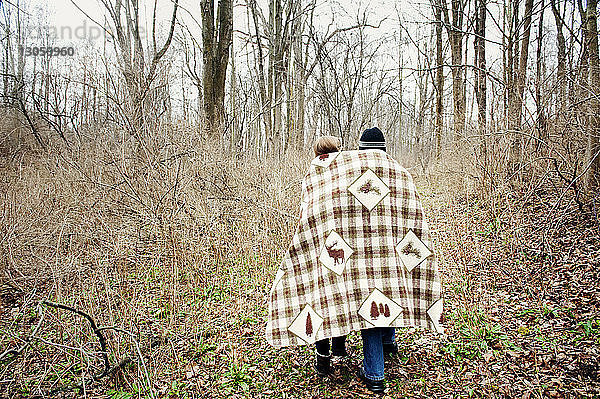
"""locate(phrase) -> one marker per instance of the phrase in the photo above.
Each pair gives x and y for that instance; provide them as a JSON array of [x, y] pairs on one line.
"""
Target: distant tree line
[[526, 95]]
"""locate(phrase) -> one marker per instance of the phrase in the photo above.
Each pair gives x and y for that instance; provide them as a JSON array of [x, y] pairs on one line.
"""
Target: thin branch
[[95, 329]]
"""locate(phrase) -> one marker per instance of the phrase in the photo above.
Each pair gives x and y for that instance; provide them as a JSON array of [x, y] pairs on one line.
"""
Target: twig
[[574, 181], [95, 329], [575, 189], [17, 352]]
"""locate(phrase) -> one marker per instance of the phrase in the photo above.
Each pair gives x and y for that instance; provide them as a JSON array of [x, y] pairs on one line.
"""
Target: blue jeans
[[373, 340]]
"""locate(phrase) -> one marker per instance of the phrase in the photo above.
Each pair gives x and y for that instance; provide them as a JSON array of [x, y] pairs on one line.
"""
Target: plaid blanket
[[361, 256]]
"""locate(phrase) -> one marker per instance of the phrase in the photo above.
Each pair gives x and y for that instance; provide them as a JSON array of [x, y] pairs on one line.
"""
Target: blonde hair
[[326, 144]]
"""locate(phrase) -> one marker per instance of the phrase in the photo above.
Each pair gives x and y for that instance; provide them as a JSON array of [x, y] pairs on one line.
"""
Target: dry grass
[[177, 253]]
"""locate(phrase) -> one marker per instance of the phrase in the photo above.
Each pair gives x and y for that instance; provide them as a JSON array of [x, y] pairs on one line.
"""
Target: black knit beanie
[[372, 139]]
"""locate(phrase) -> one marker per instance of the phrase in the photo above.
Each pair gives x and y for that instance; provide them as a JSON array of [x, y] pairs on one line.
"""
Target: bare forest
[[151, 157]]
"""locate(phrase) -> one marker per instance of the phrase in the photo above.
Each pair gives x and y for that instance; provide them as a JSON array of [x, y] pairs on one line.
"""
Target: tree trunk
[[517, 87], [458, 93], [299, 86], [233, 95], [400, 137], [217, 36], [278, 71], [541, 117], [593, 148], [580, 88], [480, 74], [138, 75], [455, 36], [262, 84], [561, 56], [439, 80]]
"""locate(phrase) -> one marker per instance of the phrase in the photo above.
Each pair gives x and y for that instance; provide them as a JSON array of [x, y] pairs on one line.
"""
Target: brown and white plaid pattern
[[374, 264]]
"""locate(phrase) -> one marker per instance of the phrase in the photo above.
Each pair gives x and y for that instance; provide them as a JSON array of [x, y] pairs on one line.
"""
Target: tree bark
[[217, 36], [481, 76], [299, 83], [593, 147], [561, 55], [455, 36], [518, 70], [262, 84], [439, 80], [541, 117], [277, 70]]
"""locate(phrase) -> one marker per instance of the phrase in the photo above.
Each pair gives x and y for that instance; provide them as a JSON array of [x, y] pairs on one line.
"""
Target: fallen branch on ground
[[96, 331]]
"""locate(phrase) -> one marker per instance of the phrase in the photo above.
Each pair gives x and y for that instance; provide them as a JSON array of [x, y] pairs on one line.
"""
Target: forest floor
[[184, 302]]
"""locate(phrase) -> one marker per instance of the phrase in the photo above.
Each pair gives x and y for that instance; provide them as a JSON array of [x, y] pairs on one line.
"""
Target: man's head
[[372, 139]]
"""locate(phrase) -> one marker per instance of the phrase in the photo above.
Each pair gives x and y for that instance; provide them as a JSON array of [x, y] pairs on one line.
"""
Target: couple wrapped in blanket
[[361, 259]]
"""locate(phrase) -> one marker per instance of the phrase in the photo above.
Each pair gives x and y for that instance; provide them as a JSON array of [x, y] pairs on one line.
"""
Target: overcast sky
[[64, 13]]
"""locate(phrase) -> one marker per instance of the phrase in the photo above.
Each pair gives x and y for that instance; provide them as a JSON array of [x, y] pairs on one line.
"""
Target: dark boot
[[373, 386], [323, 365], [338, 346]]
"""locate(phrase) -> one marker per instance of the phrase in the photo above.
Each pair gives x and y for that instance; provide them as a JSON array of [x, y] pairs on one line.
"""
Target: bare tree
[[300, 58], [541, 117], [481, 78], [342, 68], [516, 71], [439, 78], [217, 36], [454, 27], [593, 139], [259, 61], [561, 53], [138, 70], [193, 65], [283, 34]]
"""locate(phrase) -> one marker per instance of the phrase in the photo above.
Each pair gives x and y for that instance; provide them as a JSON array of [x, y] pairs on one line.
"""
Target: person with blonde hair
[[326, 145]]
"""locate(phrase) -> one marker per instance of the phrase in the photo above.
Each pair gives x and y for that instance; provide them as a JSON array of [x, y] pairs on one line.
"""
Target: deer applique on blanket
[[361, 256]]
